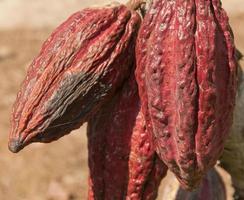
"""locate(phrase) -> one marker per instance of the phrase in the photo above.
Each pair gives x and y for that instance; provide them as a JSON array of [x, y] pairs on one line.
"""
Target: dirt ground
[[56, 171]]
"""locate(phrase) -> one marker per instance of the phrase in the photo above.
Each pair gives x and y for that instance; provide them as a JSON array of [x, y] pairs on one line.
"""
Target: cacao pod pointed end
[[15, 145]]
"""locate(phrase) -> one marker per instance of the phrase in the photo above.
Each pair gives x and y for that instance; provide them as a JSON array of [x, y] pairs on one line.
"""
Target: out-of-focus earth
[[56, 171]]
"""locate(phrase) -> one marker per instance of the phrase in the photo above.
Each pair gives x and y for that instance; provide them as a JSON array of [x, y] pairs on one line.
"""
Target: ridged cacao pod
[[79, 68], [146, 170], [122, 162], [186, 72], [158, 172]]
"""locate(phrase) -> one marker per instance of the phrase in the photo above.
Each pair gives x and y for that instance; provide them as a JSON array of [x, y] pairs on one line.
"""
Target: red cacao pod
[[186, 72], [79, 68], [122, 162], [146, 170], [153, 181]]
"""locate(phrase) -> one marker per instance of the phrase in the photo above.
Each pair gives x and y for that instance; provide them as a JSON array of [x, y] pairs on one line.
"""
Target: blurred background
[[56, 171]]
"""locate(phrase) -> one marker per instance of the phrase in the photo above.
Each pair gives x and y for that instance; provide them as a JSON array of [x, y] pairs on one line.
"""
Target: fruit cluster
[[157, 89]]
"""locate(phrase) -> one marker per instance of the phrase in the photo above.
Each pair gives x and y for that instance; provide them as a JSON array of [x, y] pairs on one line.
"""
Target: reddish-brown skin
[[186, 72], [217, 94], [216, 85], [158, 172], [145, 169], [122, 161], [78, 69]]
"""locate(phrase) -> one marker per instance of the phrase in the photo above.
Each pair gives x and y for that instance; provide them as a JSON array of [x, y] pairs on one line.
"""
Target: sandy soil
[[56, 171]]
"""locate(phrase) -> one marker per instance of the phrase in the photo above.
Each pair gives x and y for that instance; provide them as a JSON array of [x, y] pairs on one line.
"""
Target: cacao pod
[[153, 181], [186, 72], [122, 162], [78, 69]]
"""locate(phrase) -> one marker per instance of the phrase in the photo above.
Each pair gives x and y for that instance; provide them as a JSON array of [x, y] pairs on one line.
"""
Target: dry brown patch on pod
[[186, 72], [79, 67]]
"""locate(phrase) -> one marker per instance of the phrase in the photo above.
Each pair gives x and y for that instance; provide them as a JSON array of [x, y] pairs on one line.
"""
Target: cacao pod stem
[[135, 4]]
